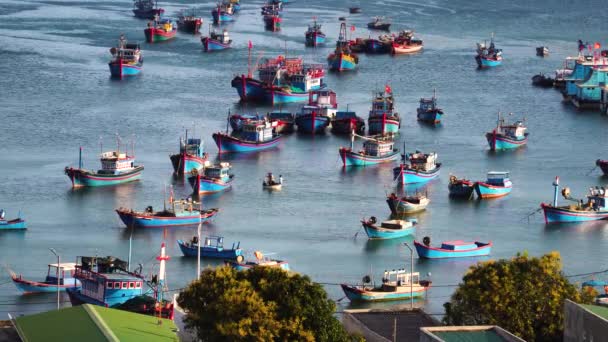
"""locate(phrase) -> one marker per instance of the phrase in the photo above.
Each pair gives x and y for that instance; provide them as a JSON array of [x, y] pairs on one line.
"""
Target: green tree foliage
[[524, 295], [262, 304]]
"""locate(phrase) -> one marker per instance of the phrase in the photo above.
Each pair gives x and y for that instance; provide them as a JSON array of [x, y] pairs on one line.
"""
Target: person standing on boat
[[280, 179]]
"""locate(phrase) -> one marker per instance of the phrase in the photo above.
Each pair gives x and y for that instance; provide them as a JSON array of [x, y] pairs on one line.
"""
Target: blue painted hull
[[410, 176], [350, 158], [430, 116], [184, 164], [378, 125], [380, 233], [338, 63], [209, 252], [124, 70], [229, 144], [209, 185], [502, 142], [28, 286], [211, 45], [358, 295], [250, 89], [375, 46], [221, 17], [438, 253], [565, 214], [278, 97], [485, 190], [315, 39], [82, 178], [487, 63], [13, 224], [135, 220], [77, 298], [309, 124]]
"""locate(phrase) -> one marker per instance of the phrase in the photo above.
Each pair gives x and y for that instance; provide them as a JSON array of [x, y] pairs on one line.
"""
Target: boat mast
[[227, 121], [556, 186], [198, 248], [352, 140], [164, 197], [161, 273], [80, 158]]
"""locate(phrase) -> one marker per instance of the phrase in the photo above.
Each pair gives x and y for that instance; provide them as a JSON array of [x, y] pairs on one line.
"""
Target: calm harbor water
[[57, 96]]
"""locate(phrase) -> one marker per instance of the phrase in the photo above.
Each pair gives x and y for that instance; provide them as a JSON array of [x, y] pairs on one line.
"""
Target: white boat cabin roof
[[66, 266], [498, 174]]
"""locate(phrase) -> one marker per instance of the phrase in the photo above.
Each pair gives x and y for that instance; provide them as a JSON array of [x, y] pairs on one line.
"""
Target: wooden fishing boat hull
[[17, 223], [428, 252], [190, 26], [354, 10], [484, 62], [81, 177], [120, 70], [350, 158], [402, 49], [603, 164], [430, 116], [565, 214], [410, 176], [312, 123], [209, 252], [78, 298], [184, 163], [139, 220], [284, 265], [342, 62], [380, 27], [221, 16], [30, 286], [284, 126], [148, 14], [253, 90], [154, 35], [357, 294], [274, 95], [400, 207], [348, 125], [205, 185], [315, 39], [375, 232], [229, 144], [382, 124], [210, 45], [461, 189], [485, 190], [376, 46], [502, 142]]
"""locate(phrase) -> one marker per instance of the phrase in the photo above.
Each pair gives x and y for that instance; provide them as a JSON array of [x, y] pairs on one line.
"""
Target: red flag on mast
[[352, 28], [597, 45], [387, 88], [250, 45]]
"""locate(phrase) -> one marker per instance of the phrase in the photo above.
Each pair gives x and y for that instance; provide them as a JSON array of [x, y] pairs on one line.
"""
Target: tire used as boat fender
[[240, 259], [426, 241], [372, 219]]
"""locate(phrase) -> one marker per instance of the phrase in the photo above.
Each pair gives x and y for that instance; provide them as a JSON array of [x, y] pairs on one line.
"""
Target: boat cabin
[[422, 161], [382, 104], [281, 115], [400, 277], [114, 162], [258, 131], [378, 148], [223, 37], [346, 115], [515, 130], [66, 273], [221, 171], [307, 80], [597, 199], [106, 281], [314, 27], [192, 147], [428, 105], [323, 98], [498, 178]]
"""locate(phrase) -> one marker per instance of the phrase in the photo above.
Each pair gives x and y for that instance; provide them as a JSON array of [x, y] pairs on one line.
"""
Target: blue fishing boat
[[428, 110], [594, 209], [214, 178], [216, 41], [507, 136], [422, 168], [452, 249], [381, 45], [342, 59], [127, 59], [116, 168], [346, 122], [498, 184], [236, 4], [461, 188], [396, 285], [179, 213], [224, 12], [18, 223], [191, 156], [408, 204], [282, 121], [390, 229], [314, 36], [376, 150], [146, 9], [237, 120], [255, 136], [488, 56], [109, 282], [379, 23], [382, 117], [212, 248], [317, 115], [261, 260], [50, 284]]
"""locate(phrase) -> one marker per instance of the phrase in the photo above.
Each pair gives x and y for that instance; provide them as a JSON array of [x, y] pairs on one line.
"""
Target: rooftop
[[382, 323], [601, 311], [480, 333]]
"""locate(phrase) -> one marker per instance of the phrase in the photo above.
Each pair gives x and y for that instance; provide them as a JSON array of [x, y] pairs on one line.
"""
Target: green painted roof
[[469, 336], [94, 323], [601, 311]]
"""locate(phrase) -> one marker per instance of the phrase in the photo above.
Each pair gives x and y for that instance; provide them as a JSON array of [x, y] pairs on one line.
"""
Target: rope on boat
[[530, 215], [590, 171]]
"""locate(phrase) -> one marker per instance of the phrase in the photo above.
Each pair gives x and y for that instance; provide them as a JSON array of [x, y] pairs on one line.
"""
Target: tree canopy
[[524, 295], [262, 304]]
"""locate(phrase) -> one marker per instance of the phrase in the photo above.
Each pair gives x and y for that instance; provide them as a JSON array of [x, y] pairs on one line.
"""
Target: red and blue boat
[[50, 284], [212, 248], [497, 185], [116, 168], [507, 136], [428, 111], [342, 59], [452, 249], [390, 229], [376, 150], [396, 284], [179, 213], [147, 9], [272, 22], [314, 36], [14, 224], [191, 156], [594, 209], [422, 168], [382, 117], [213, 179], [261, 260], [224, 12], [127, 59], [346, 122], [238, 120], [160, 30], [216, 41], [317, 115], [381, 45], [488, 56], [254, 136], [189, 23]]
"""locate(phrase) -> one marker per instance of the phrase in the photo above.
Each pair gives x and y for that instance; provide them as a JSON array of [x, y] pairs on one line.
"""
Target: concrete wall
[[581, 325]]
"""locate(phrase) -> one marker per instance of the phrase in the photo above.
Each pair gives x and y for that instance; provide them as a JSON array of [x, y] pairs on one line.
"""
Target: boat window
[[116, 285], [124, 285], [138, 285], [131, 285], [109, 284]]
